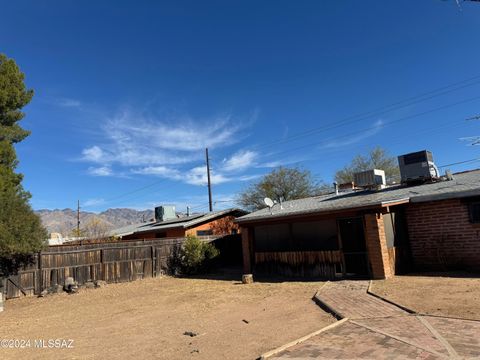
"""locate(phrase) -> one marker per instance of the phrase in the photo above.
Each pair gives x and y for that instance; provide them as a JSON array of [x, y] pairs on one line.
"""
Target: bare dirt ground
[[447, 294], [147, 319]]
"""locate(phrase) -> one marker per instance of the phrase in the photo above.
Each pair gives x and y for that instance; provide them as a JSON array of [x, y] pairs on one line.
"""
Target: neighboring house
[[369, 233], [168, 224]]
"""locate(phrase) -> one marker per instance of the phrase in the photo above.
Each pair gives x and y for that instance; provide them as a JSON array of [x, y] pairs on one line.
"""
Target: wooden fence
[[120, 261], [324, 264]]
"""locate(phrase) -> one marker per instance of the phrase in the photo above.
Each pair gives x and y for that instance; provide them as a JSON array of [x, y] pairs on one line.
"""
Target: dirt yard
[[455, 295], [148, 318]]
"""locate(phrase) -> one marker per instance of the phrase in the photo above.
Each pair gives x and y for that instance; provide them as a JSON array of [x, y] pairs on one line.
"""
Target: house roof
[[463, 185], [182, 222]]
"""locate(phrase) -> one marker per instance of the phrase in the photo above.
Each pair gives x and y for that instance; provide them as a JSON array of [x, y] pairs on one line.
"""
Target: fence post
[[154, 266], [102, 267], [1, 299], [40, 272]]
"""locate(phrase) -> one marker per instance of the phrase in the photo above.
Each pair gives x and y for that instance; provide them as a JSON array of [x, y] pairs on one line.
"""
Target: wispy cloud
[[93, 202], [240, 161], [170, 148], [194, 176], [472, 140], [100, 171], [131, 139], [66, 102], [377, 126]]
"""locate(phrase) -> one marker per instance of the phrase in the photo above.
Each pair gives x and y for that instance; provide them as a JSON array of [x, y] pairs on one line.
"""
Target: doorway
[[352, 240]]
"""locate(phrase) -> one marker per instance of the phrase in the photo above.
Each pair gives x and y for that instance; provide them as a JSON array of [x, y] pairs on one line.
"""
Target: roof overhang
[[321, 212], [445, 196]]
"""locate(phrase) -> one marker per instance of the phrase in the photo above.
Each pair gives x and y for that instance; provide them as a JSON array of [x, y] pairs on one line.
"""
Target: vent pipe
[[448, 175], [335, 185]]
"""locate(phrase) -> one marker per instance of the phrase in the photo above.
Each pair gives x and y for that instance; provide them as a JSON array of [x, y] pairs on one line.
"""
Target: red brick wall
[[376, 242], [441, 236]]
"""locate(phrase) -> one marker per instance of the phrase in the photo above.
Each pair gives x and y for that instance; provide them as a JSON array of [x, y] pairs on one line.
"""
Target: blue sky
[[129, 93]]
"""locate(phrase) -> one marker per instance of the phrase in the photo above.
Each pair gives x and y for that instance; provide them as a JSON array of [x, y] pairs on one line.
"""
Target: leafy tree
[[377, 158], [94, 229], [281, 184], [21, 232]]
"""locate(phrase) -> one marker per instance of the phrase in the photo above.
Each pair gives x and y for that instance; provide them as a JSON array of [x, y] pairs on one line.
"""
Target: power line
[[289, 151], [460, 162], [474, 118], [134, 191], [380, 111]]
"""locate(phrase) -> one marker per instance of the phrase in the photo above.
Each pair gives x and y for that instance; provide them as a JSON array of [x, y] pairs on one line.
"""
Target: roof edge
[[309, 213]]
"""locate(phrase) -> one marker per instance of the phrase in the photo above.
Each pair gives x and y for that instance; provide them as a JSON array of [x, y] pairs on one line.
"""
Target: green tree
[[281, 184], [21, 232], [377, 158]]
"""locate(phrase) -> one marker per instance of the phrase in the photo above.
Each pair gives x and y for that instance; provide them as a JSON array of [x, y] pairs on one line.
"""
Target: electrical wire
[[382, 110]]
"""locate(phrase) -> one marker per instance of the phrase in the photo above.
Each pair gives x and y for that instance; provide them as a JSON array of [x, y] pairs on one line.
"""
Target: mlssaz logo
[[54, 343]]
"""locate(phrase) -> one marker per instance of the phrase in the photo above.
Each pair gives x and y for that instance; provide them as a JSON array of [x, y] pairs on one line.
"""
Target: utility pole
[[209, 184], [78, 218]]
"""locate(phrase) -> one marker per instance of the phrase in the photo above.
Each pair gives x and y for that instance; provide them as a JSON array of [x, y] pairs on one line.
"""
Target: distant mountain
[[64, 221]]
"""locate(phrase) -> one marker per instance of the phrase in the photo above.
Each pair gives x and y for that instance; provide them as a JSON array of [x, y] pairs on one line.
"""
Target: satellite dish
[[268, 202]]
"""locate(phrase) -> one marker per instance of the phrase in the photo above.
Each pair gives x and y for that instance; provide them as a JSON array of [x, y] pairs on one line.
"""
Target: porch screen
[[306, 236], [315, 235], [272, 237]]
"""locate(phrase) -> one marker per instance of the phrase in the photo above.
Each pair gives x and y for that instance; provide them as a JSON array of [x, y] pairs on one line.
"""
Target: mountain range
[[65, 221]]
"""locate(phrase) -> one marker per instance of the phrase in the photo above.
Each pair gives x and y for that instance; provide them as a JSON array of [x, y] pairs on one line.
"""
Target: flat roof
[[464, 184]]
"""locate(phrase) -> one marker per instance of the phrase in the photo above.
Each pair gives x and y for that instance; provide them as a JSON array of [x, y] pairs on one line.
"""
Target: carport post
[[247, 249]]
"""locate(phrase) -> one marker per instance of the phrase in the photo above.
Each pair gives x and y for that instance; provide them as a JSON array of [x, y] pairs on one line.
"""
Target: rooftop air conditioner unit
[[417, 167], [165, 212], [370, 179]]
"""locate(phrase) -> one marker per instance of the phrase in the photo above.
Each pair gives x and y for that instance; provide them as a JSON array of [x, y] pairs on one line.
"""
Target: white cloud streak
[[66, 102], [170, 148], [93, 202], [100, 171], [377, 126], [193, 176], [240, 161], [132, 140]]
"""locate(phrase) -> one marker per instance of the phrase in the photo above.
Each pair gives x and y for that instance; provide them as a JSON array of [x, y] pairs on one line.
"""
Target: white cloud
[[377, 126], [193, 176], [66, 102], [162, 171], [240, 161], [198, 176], [93, 202], [94, 154], [131, 139], [472, 140], [169, 148], [100, 171]]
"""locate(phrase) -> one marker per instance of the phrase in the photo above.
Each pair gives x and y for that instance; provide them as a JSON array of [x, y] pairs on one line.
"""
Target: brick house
[[216, 223], [368, 233]]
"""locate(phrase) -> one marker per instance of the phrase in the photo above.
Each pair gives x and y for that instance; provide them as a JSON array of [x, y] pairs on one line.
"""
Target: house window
[[474, 212], [204, 232]]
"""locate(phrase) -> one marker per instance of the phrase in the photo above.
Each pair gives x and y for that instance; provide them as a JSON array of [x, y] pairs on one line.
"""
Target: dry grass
[[453, 294], [147, 319]]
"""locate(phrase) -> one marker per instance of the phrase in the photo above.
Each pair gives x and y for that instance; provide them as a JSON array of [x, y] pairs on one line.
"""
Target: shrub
[[196, 255]]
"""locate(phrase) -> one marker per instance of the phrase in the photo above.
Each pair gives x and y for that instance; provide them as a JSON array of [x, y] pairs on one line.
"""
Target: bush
[[196, 256]]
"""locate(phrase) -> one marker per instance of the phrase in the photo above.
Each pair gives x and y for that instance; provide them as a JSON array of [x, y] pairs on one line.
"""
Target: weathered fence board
[[119, 261]]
